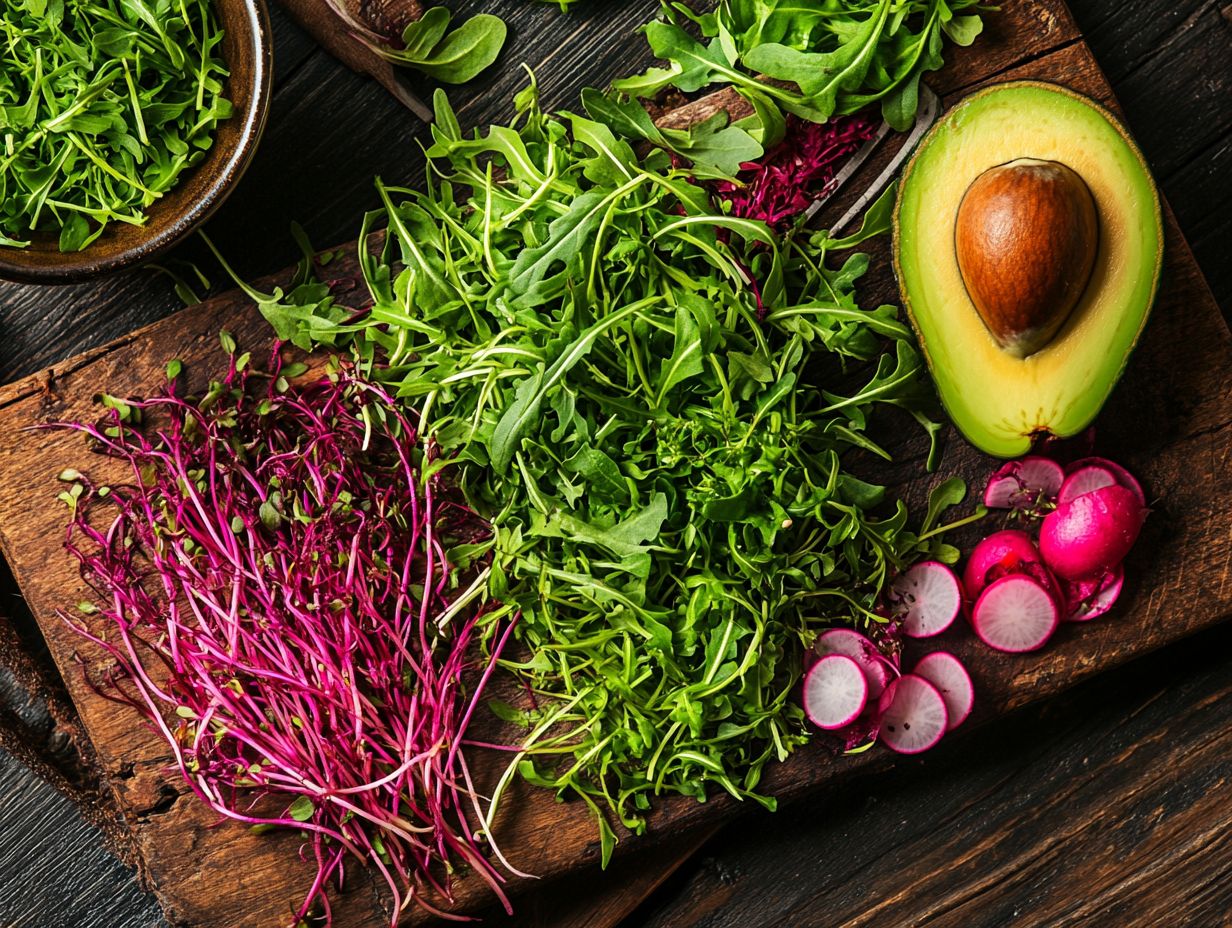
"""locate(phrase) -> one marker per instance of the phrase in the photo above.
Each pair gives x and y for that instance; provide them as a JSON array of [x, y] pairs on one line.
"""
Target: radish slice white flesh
[[860, 648], [1089, 599], [1123, 477], [835, 692], [927, 597], [915, 718], [1015, 614], [1085, 480], [947, 673], [1021, 484]]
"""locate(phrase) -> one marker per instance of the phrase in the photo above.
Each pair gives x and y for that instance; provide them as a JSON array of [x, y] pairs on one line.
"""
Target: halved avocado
[[1003, 393]]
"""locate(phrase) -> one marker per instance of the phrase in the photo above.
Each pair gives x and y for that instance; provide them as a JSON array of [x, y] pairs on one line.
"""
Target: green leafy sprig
[[428, 45]]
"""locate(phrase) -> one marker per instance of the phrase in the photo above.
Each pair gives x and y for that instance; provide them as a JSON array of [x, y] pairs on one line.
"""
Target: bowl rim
[[76, 267]]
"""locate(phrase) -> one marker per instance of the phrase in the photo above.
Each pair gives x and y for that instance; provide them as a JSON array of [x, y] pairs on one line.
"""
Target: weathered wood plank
[[1202, 196], [1205, 116], [1124, 35], [61, 877]]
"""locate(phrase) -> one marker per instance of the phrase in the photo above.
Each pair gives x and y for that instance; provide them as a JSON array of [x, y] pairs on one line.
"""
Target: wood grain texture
[[131, 302]]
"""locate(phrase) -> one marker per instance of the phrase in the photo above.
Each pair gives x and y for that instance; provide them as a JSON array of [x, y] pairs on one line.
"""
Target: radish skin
[[913, 715], [835, 692], [1015, 614], [947, 673], [928, 599], [1005, 550], [1091, 534]]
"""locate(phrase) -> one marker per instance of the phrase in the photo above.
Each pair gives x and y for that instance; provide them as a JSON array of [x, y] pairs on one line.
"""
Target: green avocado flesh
[[999, 401]]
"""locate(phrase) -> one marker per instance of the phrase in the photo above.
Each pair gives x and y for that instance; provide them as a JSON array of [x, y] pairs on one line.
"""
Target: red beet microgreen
[[277, 594], [780, 186]]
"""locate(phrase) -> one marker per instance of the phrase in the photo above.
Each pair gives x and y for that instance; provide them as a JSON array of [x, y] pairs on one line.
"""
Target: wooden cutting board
[[1170, 420]]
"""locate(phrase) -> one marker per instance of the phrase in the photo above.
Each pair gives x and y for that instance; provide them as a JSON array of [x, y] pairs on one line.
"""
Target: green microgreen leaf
[[301, 809]]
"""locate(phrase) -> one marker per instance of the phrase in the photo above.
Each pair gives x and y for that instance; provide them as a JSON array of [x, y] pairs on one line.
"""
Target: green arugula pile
[[656, 405], [825, 57], [103, 105]]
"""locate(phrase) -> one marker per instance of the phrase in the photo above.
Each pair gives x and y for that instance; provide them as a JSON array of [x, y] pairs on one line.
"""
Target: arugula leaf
[[627, 118], [463, 53], [517, 419], [878, 219], [686, 359], [428, 44], [421, 36]]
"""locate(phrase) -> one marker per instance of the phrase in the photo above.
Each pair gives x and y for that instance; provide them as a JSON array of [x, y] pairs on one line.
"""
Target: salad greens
[[825, 58], [429, 46], [103, 105], [659, 407]]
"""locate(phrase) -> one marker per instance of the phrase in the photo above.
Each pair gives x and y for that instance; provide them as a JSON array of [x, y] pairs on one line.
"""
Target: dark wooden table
[[1110, 806]]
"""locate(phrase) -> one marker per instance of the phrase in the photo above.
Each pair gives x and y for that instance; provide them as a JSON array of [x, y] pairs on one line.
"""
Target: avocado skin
[[1000, 408]]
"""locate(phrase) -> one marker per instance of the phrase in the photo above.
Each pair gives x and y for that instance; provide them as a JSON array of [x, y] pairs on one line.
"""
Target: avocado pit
[[1026, 237]]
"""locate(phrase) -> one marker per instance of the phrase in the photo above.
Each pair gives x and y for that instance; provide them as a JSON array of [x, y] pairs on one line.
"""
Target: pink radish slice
[[1092, 533], [1015, 614], [1085, 480], [1005, 551], [1020, 484], [835, 692], [914, 716], [850, 643], [928, 598], [1037, 571], [1123, 477], [947, 673], [1089, 599]]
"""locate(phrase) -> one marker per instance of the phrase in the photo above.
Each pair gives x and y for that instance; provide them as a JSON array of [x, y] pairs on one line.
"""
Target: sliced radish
[[1023, 483], [947, 673], [1015, 614], [878, 669], [1123, 477], [1085, 480], [914, 717], [927, 597], [1002, 551], [1037, 571], [1089, 599], [835, 691]]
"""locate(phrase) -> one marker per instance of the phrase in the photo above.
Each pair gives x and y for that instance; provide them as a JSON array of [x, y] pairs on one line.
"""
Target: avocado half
[[1000, 401]]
